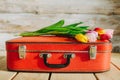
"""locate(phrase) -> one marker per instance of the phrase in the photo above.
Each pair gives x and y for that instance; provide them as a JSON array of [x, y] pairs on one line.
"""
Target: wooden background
[[17, 16]]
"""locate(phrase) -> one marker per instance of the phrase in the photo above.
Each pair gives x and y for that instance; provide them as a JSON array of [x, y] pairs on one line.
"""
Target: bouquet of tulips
[[75, 30]]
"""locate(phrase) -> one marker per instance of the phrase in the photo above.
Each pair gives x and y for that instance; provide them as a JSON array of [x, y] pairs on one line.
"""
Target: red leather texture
[[80, 63]]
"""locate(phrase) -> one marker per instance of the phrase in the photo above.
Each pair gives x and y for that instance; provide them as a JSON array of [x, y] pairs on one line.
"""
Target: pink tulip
[[109, 32], [92, 36]]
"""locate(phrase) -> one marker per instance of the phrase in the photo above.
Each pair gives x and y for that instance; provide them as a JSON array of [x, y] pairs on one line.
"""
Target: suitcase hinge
[[93, 52], [22, 51]]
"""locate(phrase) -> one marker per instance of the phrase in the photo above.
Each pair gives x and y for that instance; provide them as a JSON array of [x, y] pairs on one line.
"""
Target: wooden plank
[[3, 38], [72, 76], [117, 11], [116, 59], [30, 22], [113, 74], [1, 57], [57, 6], [2, 48], [3, 63], [116, 7], [32, 76], [4, 74], [116, 1]]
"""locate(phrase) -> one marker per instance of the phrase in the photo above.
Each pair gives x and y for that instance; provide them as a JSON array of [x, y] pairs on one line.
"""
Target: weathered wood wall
[[17, 16]]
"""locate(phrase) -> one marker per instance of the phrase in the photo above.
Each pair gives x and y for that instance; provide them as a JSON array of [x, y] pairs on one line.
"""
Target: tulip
[[81, 38], [92, 36], [100, 31], [105, 37], [109, 32]]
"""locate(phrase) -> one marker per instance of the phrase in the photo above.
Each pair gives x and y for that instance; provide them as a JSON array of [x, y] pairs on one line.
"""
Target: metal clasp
[[93, 51], [42, 54], [22, 51], [72, 55]]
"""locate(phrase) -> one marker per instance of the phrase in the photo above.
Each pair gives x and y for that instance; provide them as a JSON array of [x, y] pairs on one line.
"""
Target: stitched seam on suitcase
[[59, 51]]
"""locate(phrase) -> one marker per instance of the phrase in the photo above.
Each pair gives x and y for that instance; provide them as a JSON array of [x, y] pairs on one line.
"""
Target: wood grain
[[2, 57], [30, 22], [3, 38], [113, 74], [116, 59], [72, 76], [3, 63], [116, 6], [32, 76], [57, 6], [4, 74], [116, 1]]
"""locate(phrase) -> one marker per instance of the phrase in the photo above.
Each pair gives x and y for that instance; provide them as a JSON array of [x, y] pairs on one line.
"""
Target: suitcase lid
[[26, 44], [51, 39], [42, 39]]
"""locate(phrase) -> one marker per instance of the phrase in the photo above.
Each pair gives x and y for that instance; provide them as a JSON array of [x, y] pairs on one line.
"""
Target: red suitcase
[[57, 54]]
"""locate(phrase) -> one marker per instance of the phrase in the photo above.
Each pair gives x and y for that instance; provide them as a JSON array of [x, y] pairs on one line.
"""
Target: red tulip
[[99, 30], [104, 37]]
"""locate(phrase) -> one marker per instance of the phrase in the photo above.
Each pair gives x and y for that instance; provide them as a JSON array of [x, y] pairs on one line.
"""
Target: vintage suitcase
[[57, 54]]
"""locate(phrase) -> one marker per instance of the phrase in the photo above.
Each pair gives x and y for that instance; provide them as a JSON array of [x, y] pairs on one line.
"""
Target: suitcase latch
[[93, 52], [22, 51]]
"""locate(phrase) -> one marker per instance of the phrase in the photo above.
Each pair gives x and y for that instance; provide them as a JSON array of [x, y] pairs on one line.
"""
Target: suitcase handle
[[67, 56]]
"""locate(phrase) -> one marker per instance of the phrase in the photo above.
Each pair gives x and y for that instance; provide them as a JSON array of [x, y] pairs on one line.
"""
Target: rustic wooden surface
[[113, 74], [59, 6], [15, 23]]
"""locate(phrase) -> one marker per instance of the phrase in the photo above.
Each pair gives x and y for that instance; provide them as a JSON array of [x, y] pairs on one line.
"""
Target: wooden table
[[113, 74]]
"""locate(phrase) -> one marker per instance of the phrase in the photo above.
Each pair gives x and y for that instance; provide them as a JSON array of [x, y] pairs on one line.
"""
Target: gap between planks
[[115, 66], [112, 74], [4, 74], [115, 60]]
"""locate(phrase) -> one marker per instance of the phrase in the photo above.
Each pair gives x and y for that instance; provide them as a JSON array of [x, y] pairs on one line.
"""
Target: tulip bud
[[92, 36], [109, 32], [104, 37], [81, 38], [99, 30]]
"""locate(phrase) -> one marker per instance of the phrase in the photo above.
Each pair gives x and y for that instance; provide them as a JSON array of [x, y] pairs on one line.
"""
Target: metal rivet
[[48, 55], [72, 55]]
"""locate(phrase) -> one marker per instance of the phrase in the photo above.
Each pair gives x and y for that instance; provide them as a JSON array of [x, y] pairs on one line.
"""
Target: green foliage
[[59, 30]]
